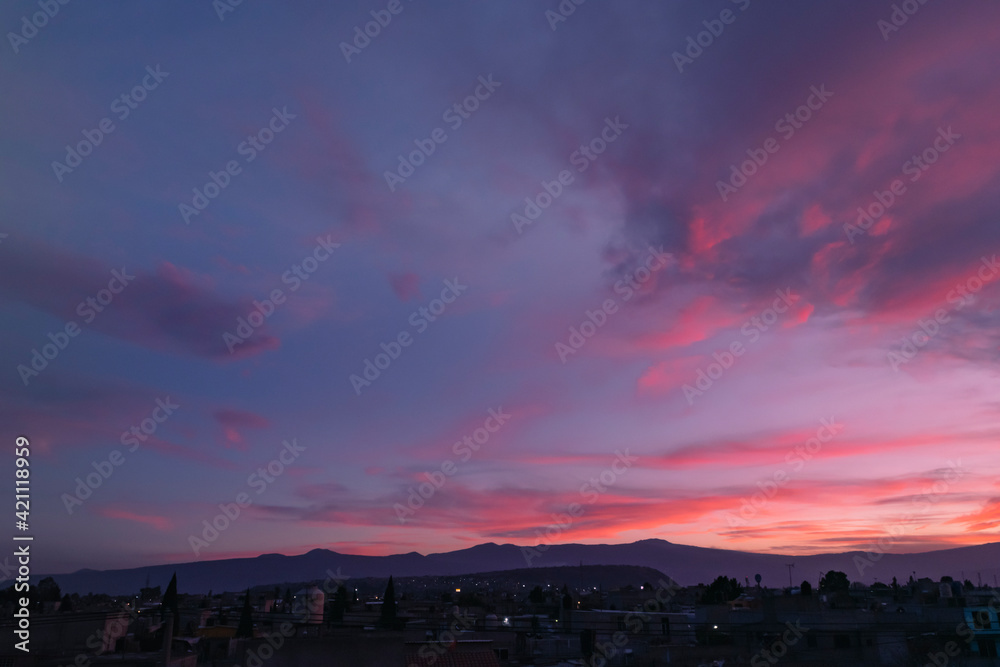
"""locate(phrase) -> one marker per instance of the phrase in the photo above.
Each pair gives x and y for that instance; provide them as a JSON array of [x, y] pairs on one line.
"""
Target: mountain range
[[685, 564]]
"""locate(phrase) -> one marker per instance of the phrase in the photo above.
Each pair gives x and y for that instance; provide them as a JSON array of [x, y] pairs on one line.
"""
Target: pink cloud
[[405, 285], [234, 422], [160, 523]]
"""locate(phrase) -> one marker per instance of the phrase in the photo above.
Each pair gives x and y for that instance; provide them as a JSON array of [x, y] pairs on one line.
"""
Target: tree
[[567, 599], [834, 581], [387, 617], [806, 589], [48, 590], [967, 585], [340, 603], [537, 595], [245, 628], [723, 589], [169, 604], [67, 604]]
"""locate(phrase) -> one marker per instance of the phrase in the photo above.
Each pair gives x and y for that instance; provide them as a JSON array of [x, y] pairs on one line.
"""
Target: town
[[554, 616]]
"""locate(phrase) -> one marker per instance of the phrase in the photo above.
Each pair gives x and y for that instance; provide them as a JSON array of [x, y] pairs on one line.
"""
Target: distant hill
[[608, 577], [574, 576], [685, 564]]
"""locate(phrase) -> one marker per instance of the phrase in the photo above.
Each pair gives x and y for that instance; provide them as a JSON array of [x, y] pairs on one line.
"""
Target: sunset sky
[[674, 321]]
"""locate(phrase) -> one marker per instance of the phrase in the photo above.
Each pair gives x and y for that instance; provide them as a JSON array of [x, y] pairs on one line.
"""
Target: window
[[621, 622], [841, 641], [665, 626], [987, 648], [502, 653], [811, 641], [981, 619]]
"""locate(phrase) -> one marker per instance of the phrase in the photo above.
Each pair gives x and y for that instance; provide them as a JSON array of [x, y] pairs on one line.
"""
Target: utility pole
[[789, 566]]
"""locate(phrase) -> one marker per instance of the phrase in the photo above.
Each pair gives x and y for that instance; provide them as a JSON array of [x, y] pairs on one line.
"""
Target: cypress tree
[[170, 604], [245, 627], [388, 616]]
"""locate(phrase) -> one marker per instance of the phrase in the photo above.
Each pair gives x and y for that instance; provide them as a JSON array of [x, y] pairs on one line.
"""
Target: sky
[[721, 273]]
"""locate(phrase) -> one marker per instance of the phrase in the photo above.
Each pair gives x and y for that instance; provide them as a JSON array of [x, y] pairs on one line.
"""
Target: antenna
[[789, 566]]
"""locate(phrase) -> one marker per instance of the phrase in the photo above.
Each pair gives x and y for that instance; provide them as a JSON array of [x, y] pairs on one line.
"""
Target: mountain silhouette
[[685, 564]]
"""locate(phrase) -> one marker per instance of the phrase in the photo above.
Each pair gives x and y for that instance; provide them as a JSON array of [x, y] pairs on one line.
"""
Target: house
[[985, 638]]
